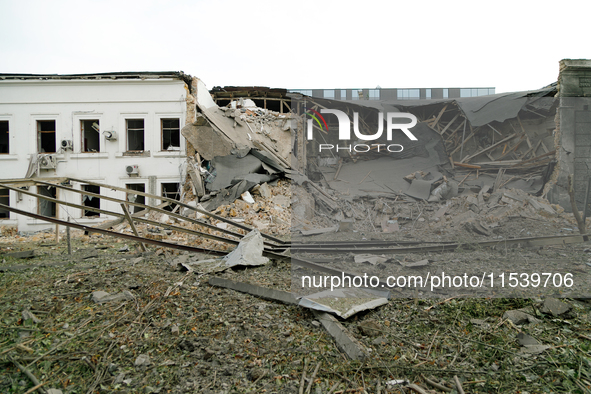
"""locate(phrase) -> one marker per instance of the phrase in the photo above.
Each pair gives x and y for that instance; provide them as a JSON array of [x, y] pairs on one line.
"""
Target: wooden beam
[[489, 148], [130, 220], [449, 124], [439, 116]]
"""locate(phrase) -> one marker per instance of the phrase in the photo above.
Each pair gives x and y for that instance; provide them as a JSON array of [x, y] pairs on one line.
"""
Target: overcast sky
[[510, 45]]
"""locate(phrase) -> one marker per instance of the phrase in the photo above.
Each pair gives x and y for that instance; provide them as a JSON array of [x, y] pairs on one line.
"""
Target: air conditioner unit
[[67, 145], [47, 162], [132, 170], [110, 135]]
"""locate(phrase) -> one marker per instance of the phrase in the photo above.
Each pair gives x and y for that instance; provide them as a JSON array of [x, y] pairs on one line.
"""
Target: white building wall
[[112, 102]]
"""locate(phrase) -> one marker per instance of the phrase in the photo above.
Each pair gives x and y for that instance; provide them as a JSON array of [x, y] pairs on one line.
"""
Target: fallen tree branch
[[29, 374]]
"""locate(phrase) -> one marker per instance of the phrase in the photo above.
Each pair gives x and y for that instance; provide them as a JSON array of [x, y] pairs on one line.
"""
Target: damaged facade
[[119, 129]]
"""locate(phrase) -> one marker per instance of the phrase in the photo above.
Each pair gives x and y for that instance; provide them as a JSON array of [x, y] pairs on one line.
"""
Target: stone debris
[[29, 315], [142, 361], [520, 317], [101, 297], [554, 307]]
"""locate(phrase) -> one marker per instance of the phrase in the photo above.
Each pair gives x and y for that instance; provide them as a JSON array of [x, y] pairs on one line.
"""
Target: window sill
[[8, 222], [170, 153], [5, 156], [145, 153], [90, 155]]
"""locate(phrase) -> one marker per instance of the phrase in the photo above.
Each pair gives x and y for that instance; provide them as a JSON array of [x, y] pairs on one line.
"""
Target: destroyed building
[[164, 134]]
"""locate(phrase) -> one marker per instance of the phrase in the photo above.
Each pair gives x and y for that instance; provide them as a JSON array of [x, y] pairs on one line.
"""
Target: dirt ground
[[169, 331]]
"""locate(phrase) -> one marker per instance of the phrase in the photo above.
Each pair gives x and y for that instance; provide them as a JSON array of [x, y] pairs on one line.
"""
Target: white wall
[[68, 102]]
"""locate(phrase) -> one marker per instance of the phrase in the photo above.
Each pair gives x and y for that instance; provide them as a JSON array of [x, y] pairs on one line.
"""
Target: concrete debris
[[519, 317], [445, 191], [419, 189], [249, 252], [345, 302], [343, 338], [370, 258], [142, 361], [264, 191], [101, 297], [534, 349], [554, 307], [476, 226], [247, 197], [526, 340], [29, 315]]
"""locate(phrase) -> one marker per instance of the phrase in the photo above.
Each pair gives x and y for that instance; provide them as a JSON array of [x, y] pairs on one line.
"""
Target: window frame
[[128, 129], [82, 135], [38, 123], [7, 135], [162, 129]]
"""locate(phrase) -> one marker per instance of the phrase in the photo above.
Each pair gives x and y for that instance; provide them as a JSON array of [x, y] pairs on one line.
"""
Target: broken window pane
[[138, 187], [135, 134], [171, 190], [91, 201], [171, 134], [4, 148], [90, 135], [44, 207], [46, 136]]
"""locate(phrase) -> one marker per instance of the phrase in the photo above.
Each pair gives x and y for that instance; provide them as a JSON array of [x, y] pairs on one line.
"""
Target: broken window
[[44, 207], [171, 134], [4, 199], [4, 137], [90, 135], [135, 134], [46, 136], [131, 197], [91, 201], [171, 190]]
